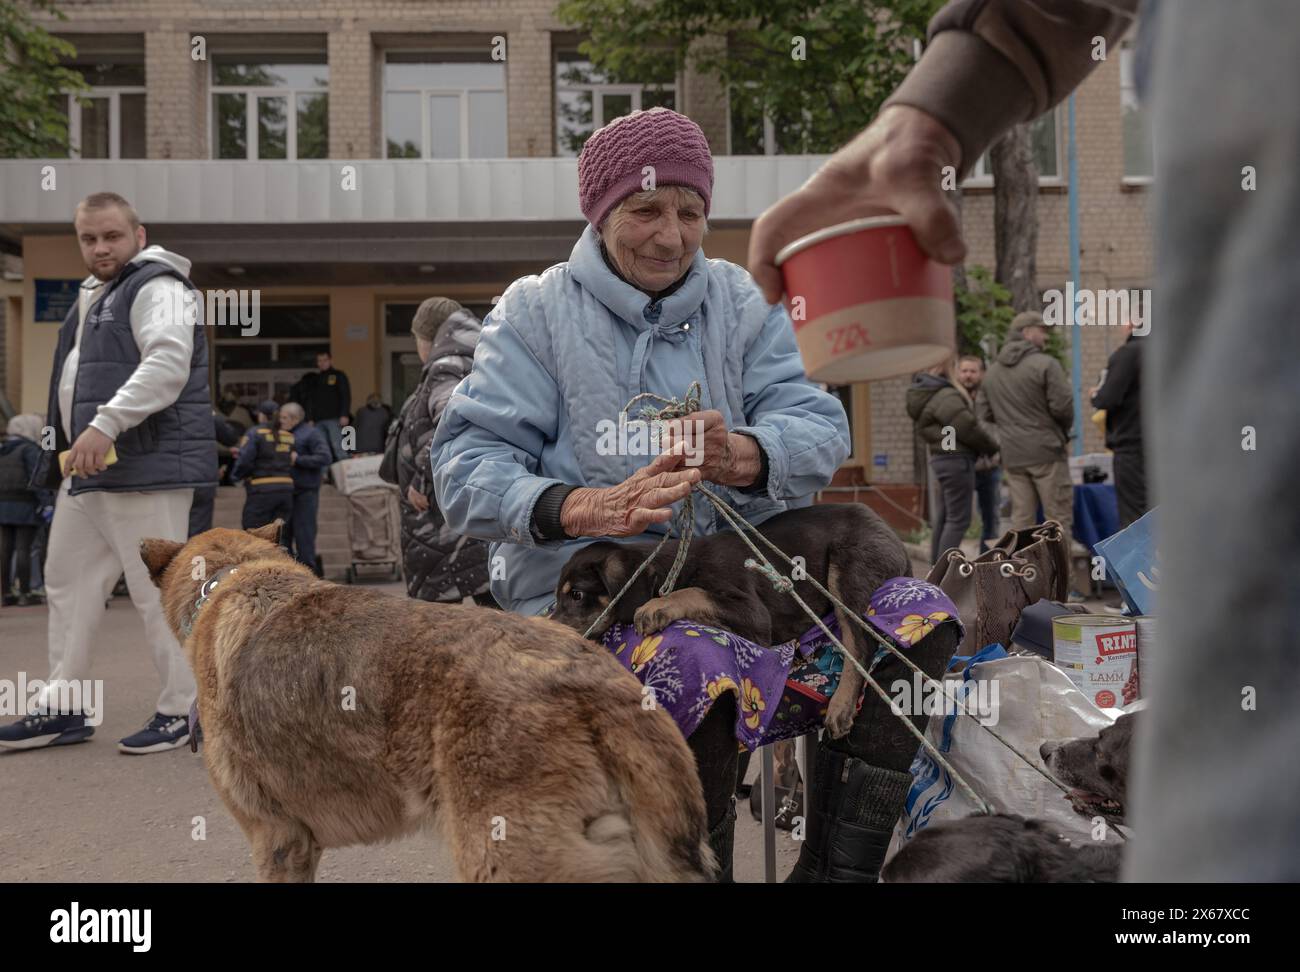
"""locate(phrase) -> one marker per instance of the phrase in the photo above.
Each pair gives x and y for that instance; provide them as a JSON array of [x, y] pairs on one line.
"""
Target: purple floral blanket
[[781, 691]]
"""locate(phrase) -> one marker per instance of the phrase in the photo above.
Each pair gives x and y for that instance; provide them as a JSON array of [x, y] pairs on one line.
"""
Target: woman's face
[[652, 236]]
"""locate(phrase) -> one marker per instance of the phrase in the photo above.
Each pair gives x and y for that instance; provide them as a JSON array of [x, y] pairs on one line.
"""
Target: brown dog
[[336, 715]]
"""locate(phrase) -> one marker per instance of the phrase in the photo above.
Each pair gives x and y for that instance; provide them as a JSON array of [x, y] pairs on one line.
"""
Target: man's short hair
[[973, 357], [431, 315], [102, 200]]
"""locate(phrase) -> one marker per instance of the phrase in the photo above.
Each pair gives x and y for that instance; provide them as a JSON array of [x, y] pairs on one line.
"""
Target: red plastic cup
[[866, 301]]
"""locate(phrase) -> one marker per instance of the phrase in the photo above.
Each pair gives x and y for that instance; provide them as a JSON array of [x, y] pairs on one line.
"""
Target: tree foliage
[[985, 310], [820, 70], [33, 84]]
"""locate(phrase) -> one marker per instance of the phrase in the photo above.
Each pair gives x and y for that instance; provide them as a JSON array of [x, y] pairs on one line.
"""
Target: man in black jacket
[[310, 455], [1120, 394], [326, 397]]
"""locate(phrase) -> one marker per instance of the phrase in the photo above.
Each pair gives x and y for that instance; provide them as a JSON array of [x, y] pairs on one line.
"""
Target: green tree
[[985, 309], [33, 119], [819, 68]]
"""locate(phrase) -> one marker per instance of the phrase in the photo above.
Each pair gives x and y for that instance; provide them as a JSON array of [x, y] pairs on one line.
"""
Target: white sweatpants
[[94, 537]]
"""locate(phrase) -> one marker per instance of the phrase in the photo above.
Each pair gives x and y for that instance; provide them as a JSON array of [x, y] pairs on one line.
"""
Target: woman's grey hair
[[294, 411], [28, 425], [647, 195]]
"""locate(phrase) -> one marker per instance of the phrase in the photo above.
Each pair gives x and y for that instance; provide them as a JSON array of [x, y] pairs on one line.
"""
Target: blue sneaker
[[163, 732], [48, 729]]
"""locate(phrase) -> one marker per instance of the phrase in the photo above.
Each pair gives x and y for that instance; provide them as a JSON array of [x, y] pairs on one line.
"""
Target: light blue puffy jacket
[[562, 351]]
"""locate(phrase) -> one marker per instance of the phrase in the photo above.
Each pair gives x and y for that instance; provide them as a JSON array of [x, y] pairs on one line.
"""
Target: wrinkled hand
[[293, 458], [895, 165], [626, 510], [701, 441], [418, 499], [86, 457]]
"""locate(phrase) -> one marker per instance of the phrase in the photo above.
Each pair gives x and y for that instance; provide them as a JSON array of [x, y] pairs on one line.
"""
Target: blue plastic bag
[[1133, 563]]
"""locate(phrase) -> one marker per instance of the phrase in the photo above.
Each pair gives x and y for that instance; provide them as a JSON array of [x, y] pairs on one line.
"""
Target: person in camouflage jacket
[[440, 565]]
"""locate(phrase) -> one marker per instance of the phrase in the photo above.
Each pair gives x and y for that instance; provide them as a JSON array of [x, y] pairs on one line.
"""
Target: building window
[[1044, 138], [444, 105], [270, 106], [586, 99], [108, 122], [753, 131], [1138, 161]]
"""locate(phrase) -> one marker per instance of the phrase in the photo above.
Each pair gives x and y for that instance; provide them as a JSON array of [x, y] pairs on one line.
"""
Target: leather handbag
[[1023, 567]]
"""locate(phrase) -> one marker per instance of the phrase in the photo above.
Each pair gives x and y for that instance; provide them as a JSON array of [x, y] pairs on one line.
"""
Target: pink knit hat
[[611, 163]]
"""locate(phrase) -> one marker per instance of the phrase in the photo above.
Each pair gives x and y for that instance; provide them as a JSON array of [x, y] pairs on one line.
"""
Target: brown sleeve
[[991, 64]]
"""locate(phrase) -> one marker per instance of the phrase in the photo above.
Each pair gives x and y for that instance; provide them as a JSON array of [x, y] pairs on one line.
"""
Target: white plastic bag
[[1036, 702]]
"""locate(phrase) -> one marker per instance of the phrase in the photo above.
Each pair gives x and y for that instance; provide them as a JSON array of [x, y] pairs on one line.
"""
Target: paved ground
[[89, 813]]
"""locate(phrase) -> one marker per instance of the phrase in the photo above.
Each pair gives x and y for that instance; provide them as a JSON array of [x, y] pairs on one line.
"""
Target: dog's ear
[[269, 532], [619, 566], [157, 554]]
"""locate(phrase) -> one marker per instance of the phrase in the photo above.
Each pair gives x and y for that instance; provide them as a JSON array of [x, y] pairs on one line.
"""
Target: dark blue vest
[[272, 467], [171, 449]]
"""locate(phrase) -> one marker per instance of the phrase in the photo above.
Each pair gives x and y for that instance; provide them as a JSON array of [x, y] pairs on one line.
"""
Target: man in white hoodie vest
[[129, 403]]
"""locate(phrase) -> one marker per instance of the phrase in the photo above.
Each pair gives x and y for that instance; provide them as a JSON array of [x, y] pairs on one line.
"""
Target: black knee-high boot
[[859, 783], [717, 755]]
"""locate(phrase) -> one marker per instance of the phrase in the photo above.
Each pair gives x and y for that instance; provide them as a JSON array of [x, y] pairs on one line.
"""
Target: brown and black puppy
[[338, 715], [846, 547], [1096, 767]]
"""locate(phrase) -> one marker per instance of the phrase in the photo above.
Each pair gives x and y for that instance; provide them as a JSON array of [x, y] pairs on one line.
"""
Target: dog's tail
[[659, 809]]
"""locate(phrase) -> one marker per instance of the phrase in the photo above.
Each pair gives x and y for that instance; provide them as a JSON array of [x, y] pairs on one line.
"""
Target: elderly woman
[[519, 458]]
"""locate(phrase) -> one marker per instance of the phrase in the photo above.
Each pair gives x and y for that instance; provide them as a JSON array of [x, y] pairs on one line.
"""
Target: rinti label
[[1116, 643]]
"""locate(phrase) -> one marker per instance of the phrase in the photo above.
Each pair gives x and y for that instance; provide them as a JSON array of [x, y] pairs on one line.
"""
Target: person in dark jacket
[[265, 463], [1026, 398], [372, 421], [326, 396], [945, 418], [440, 565], [225, 438], [310, 455], [236, 415], [1120, 394], [988, 469], [21, 508]]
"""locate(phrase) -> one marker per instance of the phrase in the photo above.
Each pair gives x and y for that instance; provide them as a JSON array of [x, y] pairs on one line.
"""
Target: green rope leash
[[671, 409]]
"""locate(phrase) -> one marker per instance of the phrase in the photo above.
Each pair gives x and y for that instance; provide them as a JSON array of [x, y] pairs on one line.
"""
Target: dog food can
[[1100, 655], [1146, 629], [867, 302]]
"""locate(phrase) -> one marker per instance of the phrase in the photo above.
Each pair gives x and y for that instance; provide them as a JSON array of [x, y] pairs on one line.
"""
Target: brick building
[[348, 158]]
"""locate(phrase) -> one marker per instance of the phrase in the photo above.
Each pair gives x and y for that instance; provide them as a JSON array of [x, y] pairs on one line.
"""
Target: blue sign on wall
[[881, 459], [54, 298]]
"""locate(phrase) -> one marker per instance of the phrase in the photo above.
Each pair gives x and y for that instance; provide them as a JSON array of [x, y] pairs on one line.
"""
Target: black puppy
[[1001, 849], [846, 547], [1095, 767], [1006, 848]]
